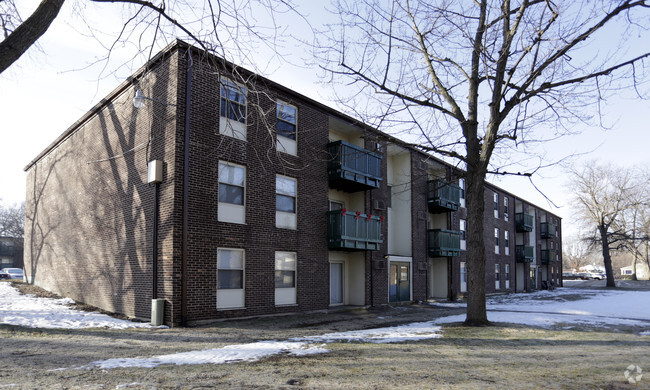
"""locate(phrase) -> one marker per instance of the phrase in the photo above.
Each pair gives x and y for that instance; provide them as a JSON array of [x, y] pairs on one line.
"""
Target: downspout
[[186, 188]]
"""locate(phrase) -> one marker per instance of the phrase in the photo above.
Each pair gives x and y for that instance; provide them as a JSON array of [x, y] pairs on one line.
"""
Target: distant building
[[641, 270], [11, 252], [230, 195]]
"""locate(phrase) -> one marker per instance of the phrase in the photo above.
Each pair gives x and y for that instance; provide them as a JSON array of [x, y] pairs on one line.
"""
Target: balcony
[[548, 230], [548, 256], [349, 230], [351, 168], [442, 197], [443, 243], [6, 250], [524, 253], [524, 222]]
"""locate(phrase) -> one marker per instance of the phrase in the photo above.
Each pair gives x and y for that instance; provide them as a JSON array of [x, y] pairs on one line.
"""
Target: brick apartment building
[[228, 195], [11, 252]]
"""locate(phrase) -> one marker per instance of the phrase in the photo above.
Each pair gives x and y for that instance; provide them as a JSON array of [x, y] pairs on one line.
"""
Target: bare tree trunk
[[476, 311], [607, 259], [25, 35]]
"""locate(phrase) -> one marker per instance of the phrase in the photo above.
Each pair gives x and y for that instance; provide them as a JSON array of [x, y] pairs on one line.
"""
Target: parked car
[[15, 273], [584, 276], [570, 276], [596, 275], [4, 275]]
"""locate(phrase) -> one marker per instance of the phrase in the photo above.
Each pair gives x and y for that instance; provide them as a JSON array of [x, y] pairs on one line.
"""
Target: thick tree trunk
[[25, 35], [607, 259], [476, 312]]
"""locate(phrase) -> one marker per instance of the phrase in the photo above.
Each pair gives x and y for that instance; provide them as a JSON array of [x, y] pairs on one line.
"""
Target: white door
[[336, 283]]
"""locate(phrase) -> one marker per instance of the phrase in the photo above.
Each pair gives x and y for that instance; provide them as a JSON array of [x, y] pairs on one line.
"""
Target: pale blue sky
[[44, 93]]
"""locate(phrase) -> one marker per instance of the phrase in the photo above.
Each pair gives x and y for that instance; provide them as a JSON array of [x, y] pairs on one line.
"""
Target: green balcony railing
[[443, 243], [524, 253], [442, 196], [6, 250], [524, 222], [351, 168], [547, 230], [548, 256], [349, 230]]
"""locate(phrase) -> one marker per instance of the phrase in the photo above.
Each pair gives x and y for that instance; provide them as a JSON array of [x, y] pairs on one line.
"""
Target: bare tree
[[12, 220], [576, 253], [635, 219], [479, 80], [602, 195]]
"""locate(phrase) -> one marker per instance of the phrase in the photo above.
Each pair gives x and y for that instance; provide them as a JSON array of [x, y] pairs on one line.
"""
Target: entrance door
[[400, 282], [336, 283]]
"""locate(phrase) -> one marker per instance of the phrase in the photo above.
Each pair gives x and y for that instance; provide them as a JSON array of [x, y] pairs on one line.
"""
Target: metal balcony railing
[[524, 222], [443, 243], [442, 196], [524, 253], [548, 256], [350, 230], [351, 168], [547, 230]]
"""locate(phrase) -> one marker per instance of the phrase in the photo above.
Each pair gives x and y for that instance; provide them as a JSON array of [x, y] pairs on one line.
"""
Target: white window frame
[[226, 211], [463, 277], [497, 276], [506, 209], [506, 242], [228, 126], [461, 184], [496, 205], [463, 231], [286, 219], [286, 295], [231, 298], [496, 241], [507, 270], [283, 143]]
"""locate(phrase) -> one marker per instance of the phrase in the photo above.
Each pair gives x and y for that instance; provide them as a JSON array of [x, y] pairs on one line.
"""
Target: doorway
[[336, 283], [400, 282]]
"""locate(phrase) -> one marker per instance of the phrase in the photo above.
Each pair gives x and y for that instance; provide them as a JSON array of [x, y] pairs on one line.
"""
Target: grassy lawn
[[495, 357]]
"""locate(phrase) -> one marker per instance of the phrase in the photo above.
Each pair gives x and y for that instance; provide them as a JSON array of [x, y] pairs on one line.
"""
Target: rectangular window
[[496, 205], [285, 202], [285, 278], [336, 205], [230, 278], [233, 102], [497, 276], [463, 277], [506, 210], [231, 183], [507, 275], [232, 193], [286, 126], [463, 234], [507, 243], [496, 240], [461, 184]]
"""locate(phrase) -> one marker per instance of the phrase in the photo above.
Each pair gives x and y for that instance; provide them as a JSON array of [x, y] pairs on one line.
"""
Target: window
[[552, 245], [506, 211], [232, 192], [506, 243], [507, 275], [463, 234], [461, 184], [232, 120], [463, 277], [285, 278], [336, 205], [286, 125], [286, 128], [496, 240], [496, 205], [230, 278], [285, 202], [497, 276]]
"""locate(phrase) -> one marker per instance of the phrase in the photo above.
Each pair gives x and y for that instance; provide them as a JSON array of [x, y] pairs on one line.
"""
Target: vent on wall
[[380, 264], [380, 205]]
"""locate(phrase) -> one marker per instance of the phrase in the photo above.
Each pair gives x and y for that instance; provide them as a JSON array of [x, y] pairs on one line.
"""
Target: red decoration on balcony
[[381, 219], [358, 214], [368, 217], [343, 211]]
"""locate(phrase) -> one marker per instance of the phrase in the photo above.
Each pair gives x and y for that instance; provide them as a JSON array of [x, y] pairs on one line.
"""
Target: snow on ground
[[34, 312], [563, 307]]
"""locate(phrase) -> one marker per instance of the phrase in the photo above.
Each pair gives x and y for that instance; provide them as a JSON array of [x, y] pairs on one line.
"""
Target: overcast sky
[[46, 91]]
